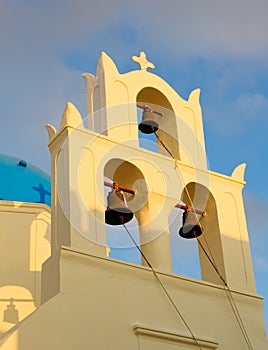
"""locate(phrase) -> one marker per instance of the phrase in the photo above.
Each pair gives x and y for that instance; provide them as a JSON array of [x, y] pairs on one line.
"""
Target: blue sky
[[220, 47]]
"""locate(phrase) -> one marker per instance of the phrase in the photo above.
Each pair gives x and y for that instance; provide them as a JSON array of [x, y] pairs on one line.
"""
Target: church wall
[[24, 246], [133, 312]]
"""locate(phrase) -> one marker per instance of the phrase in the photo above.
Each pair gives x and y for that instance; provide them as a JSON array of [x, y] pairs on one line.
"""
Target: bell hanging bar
[[149, 123], [179, 206], [121, 188], [150, 109], [193, 210]]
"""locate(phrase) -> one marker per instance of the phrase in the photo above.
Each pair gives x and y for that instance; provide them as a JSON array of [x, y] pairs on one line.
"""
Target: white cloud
[[201, 27], [207, 28]]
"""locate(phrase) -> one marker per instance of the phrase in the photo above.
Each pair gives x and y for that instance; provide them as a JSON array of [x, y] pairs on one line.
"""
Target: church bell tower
[[146, 183], [177, 171]]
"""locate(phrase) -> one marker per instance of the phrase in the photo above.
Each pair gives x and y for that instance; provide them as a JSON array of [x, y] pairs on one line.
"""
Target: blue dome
[[21, 181]]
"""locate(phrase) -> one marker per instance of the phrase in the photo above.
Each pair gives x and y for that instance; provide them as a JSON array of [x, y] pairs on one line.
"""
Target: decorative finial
[[142, 61]]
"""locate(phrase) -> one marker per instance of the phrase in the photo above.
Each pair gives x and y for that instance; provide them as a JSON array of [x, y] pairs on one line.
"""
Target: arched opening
[[126, 175], [198, 196], [167, 130]]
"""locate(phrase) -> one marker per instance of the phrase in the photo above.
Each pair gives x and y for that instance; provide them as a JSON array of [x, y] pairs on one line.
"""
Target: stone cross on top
[[142, 61]]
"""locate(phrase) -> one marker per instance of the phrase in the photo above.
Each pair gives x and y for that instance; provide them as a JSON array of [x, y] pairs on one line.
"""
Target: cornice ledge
[[164, 334]]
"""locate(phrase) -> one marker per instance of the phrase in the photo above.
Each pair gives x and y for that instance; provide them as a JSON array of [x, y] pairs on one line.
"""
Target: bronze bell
[[149, 122], [190, 229], [117, 212]]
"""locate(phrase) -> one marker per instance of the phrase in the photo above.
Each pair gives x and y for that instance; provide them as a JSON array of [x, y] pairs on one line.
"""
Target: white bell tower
[[123, 301], [81, 157], [92, 301]]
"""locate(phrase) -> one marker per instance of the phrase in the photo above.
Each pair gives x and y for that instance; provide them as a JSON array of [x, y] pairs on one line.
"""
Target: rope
[[163, 287], [211, 258], [162, 143]]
